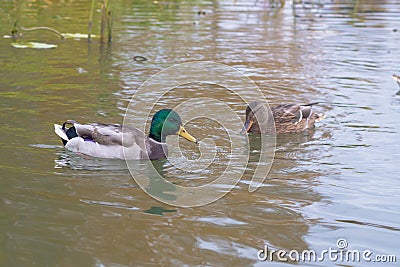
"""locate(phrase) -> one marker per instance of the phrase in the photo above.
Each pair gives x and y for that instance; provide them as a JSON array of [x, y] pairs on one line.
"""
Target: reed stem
[[91, 20]]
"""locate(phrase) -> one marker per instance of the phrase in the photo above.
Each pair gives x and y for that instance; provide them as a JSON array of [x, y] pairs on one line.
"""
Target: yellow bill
[[182, 132]]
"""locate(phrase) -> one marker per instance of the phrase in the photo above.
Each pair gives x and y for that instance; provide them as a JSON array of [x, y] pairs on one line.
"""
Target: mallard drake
[[288, 118], [112, 140]]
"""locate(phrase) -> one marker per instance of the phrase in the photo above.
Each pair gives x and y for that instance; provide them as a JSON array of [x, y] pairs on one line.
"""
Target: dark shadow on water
[[158, 210], [157, 185], [283, 140]]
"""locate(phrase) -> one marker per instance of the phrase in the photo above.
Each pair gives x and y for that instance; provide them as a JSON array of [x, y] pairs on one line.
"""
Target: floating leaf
[[77, 35], [33, 45]]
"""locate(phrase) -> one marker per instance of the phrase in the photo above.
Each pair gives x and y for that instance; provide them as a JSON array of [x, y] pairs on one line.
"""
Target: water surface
[[338, 181]]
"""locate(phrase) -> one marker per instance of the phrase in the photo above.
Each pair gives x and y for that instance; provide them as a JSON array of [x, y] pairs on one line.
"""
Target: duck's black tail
[[64, 133]]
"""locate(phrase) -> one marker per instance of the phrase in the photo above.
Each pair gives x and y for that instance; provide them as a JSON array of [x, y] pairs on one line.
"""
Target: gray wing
[[111, 134]]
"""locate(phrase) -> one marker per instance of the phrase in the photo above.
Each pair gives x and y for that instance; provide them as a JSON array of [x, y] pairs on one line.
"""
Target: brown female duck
[[288, 118]]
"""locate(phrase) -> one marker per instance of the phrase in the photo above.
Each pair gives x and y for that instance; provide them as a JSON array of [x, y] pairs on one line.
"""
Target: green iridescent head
[[167, 122]]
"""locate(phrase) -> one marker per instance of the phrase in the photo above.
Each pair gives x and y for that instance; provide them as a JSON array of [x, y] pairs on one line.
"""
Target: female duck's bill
[[115, 141], [287, 118]]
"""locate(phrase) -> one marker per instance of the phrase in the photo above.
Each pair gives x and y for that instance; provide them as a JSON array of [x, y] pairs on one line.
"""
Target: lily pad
[[33, 45], [78, 35]]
